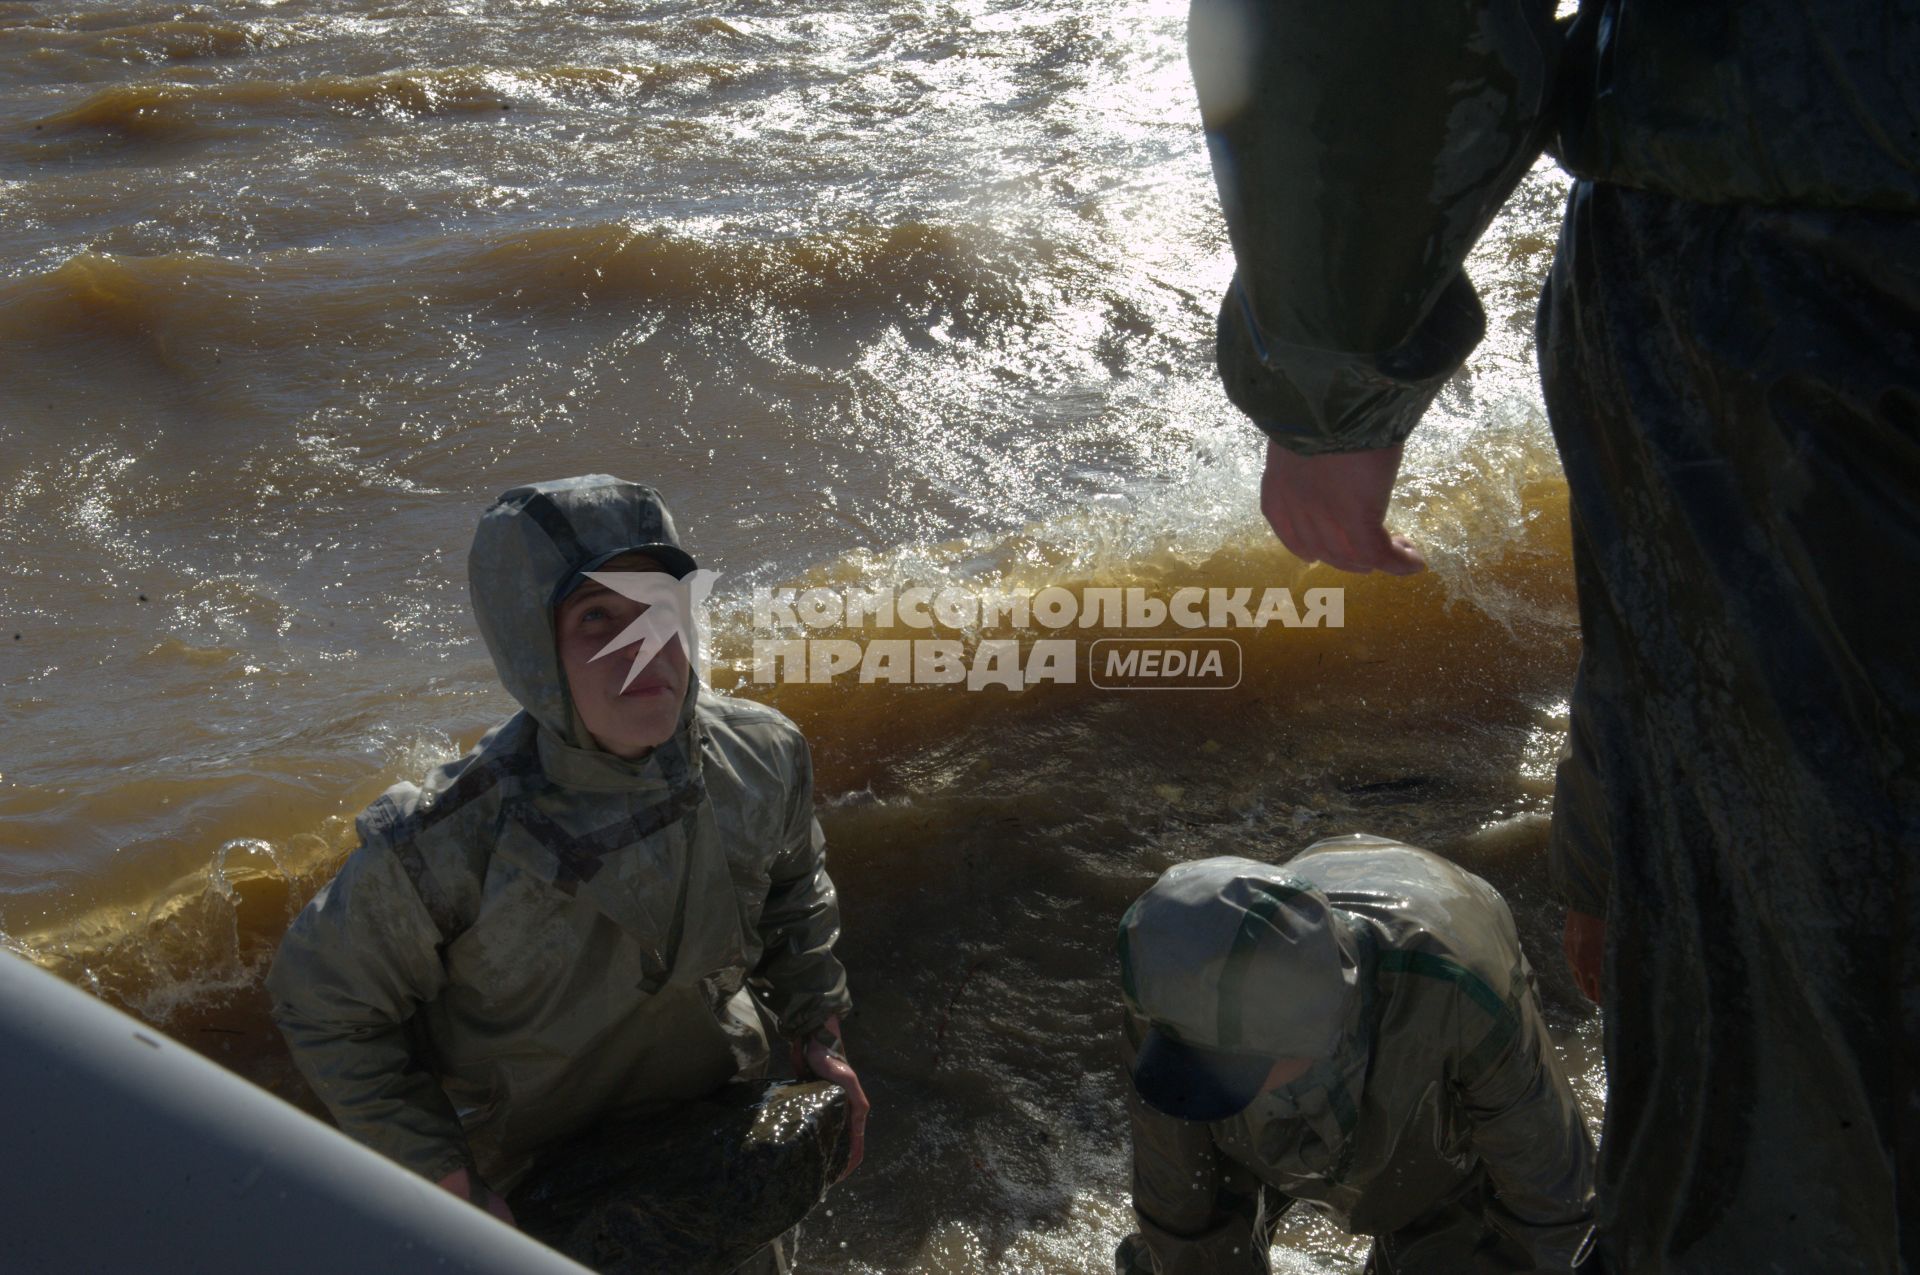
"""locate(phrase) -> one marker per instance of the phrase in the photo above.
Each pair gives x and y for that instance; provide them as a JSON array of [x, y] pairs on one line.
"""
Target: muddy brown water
[[881, 296]]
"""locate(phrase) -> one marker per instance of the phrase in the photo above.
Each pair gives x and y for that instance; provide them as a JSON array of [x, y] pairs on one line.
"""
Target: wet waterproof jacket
[[1447, 1081], [543, 934], [1730, 351]]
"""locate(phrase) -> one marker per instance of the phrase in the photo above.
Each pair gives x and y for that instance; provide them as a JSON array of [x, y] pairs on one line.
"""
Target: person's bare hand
[[1333, 509], [825, 1062], [1585, 938], [469, 1187]]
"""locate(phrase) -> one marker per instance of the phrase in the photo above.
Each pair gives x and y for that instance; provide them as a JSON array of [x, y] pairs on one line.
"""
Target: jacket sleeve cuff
[[1314, 401], [801, 1016]]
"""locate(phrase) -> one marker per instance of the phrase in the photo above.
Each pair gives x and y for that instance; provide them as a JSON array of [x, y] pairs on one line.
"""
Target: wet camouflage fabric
[[543, 935], [696, 1189], [1736, 395], [1447, 1085]]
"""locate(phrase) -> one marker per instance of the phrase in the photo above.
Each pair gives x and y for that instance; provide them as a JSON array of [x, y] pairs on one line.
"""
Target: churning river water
[[882, 296]]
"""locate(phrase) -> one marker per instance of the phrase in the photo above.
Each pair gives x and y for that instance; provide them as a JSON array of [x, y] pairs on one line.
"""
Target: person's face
[[627, 723]]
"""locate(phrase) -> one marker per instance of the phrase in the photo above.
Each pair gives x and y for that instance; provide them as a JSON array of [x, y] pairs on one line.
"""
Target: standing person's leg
[[1736, 396]]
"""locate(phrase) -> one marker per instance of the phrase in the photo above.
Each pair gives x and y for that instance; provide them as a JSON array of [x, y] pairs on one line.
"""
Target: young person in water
[[616, 900]]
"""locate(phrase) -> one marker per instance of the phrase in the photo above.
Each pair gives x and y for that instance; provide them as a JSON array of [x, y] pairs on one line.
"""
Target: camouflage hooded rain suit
[[543, 934]]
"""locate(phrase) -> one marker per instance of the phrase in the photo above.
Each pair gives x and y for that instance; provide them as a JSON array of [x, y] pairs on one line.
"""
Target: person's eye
[[593, 614]]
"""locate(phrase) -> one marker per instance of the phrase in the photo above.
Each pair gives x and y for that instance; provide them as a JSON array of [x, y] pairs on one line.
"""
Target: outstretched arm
[[1360, 150]]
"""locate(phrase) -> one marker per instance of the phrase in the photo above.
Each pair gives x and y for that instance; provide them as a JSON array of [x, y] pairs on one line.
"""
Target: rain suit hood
[[531, 548], [542, 934], [1206, 940]]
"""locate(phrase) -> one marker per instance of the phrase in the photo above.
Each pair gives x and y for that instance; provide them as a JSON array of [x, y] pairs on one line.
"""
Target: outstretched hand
[[1333, 509], [825, 1061]]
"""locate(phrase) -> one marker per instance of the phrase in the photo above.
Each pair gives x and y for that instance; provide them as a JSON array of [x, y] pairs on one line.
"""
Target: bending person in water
[[613, 901], [1357, 1029]]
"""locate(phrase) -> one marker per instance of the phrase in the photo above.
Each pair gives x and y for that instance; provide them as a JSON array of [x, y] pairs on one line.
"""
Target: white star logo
[[669, 611]]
